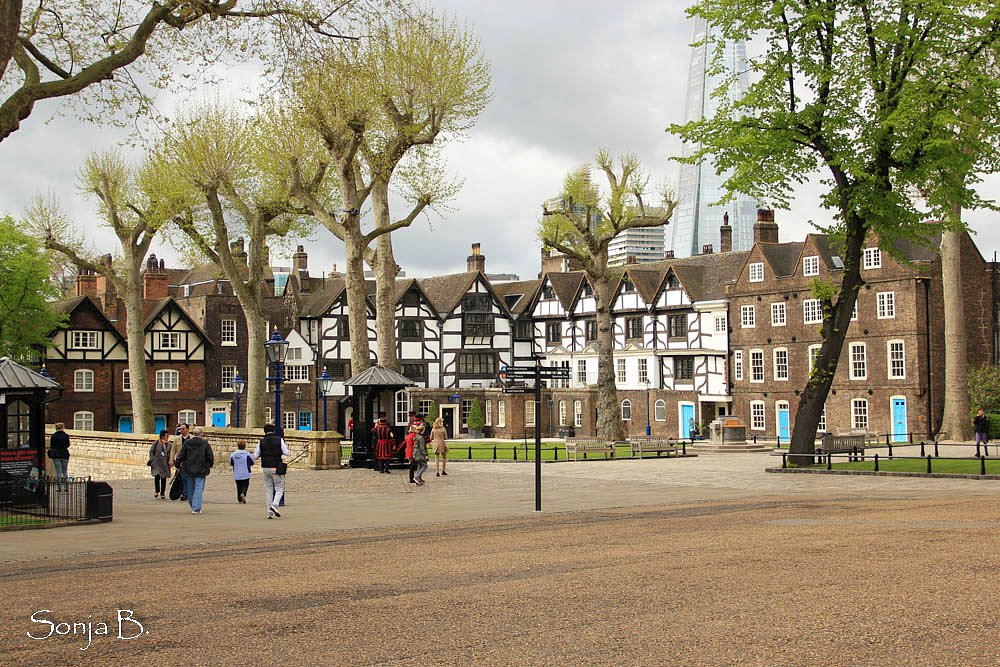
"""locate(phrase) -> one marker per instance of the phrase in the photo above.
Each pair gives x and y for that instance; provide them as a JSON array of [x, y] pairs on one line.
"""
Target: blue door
[[125, 424], [219, 419], [305, 420], [687, 419], [899, 420], [784, 434], [160, 422]]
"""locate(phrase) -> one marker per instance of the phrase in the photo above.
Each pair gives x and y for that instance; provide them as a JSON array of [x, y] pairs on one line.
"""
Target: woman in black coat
[[59, 453]]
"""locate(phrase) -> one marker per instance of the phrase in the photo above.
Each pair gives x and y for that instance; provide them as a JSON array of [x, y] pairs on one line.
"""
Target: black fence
[[945, 464], [27, 501]]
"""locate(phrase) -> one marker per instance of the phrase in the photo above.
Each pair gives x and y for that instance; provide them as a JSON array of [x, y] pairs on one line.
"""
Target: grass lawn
[[956, 466], [17, 520], [460, 450]]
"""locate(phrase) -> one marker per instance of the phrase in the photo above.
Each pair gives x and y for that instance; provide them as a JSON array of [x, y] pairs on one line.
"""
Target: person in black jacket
[[269, 452], [195, 462], [59, 453], [981, 424]]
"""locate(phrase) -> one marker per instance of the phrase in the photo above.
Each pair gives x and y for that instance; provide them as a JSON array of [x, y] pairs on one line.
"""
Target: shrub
[[475, 419]]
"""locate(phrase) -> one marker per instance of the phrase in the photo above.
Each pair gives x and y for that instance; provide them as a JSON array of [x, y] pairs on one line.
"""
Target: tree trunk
[[956, 422], [386, 270], [836, 320], [10, 24], [257, 334], [357, 306], [130, 287], [609, 425]]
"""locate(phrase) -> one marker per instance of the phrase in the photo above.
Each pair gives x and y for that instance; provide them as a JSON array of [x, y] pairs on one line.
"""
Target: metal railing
[[524, 451], [32, 501], [828, 458]]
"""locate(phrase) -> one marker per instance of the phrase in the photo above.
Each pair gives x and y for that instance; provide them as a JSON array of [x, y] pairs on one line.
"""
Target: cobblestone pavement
[[701, 561]]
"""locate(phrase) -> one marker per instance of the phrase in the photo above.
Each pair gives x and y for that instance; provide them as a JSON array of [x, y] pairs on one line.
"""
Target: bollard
[[890, 450], [784, 460], [555, 452], [887, 440], [515, 453], [928, 465], [829, 461], [936, 455], [876, 462], [977, 450], [982, 465], [922, 453], [910, 436], [494, 452]]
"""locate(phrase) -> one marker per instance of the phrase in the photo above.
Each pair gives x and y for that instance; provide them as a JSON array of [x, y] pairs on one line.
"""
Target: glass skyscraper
[[696, 221]]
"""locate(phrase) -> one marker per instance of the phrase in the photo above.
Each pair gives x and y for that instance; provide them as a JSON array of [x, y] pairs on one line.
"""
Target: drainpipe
[[927, 328]]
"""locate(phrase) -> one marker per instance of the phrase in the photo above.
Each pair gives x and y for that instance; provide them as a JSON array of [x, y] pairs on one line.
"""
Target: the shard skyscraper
[[696, 222]]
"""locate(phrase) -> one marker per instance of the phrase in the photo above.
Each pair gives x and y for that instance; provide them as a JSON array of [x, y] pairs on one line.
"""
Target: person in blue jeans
[[195, 462], [59, 453]]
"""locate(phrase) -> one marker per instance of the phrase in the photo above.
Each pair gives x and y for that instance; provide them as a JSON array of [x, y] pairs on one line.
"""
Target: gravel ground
[[750, 582]]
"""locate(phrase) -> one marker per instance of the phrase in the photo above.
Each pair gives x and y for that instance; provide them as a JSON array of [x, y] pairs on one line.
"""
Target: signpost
[[537, 373]]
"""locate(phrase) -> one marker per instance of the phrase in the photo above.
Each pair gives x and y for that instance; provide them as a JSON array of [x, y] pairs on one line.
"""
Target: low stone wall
[[109, 455]]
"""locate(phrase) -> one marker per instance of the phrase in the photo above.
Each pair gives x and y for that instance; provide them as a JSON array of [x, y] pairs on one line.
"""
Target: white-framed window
[[896, 350], [813, 351], [886, 305], [228, 374], [465, 409], [126, 381], [228, 332], [859, 414], [297, 373], [83, 420], [810, 265], [191, 417], [293, 354], [169, 340], [720, 324], [578, 414], [488, 419], [737, 364], [755, 272], [620, 371], [424, 406], [402, 404], [872, 258], [758, 417], [501, 413], [778, 314], [84, 340], [643, 371], [780, 363], [859, 361], [748, 317], [289, 421], [268, 415], [581, 371], [821, 424], [812, 311], [562, 413], [529, 413], [626, 410], [83, 380], [168, 380], [660, 410], [756, 365], [854, 312]]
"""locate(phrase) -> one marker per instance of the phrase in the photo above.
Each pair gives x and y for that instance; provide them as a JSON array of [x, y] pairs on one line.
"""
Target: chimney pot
[[706, 249], [669, 254], [766, 230], [476, 261], [725, 235]]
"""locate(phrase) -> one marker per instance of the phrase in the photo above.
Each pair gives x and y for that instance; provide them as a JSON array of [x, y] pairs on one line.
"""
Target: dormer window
[[627, 286], [873, 258], [588, 291], [673, 282], [810, 266], [756, 272], [548, 293]]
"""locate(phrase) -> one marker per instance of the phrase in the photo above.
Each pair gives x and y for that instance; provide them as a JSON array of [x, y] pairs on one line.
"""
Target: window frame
[[890, 360], [738, 365], [625, 410], [660, 410], [758, 354], [748, 316], [856, 413], [464, 362], [815, 307], [755, 272], [162, 375], [758, 416], [225, 339], [683, 369], [810, 265], [80, 381], [778, 307], [872, 258], [778, 365], [87, 416], [174, 337], [76, 341], [621, 375], [885, 305], [858, 362]]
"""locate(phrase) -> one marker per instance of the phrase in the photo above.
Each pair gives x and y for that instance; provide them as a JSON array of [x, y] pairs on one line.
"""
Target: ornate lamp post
[[298, 405], [239, 387], [325, 383], [276, 349]]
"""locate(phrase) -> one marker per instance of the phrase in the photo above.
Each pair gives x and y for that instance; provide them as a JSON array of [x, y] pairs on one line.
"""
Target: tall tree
[[135, 216], [371, 106], [216, 160], [860, 90], [582, 230], [96, 53], [26, 314]]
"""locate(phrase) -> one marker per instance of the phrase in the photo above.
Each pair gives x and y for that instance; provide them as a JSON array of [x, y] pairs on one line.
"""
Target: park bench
[[844, 444], [576, 447], [658, 445]]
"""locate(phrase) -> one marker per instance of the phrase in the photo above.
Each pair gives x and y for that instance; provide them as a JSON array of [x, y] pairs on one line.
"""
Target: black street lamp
[[276, 349], [298, 405], [649, 428], [325, 383], [239, 387]]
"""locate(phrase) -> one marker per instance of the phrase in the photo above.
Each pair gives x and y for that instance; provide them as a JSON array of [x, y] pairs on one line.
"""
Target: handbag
[[176, 486], [281, 468]]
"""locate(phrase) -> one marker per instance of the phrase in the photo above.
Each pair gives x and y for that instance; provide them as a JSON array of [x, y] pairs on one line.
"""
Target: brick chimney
[[766, 230], [725, 235], [154, 280], [300, 261], [668, 254], [86, 283], [238, 250], [106, 292], [476, 261], [631, 259], [706, 249]]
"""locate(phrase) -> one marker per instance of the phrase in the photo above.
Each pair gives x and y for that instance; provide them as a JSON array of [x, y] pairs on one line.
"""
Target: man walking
[[981, 424], [269, 452], [195, 462]]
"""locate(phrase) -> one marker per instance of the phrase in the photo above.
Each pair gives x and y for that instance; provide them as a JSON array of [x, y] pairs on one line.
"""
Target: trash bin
[[100, 501]]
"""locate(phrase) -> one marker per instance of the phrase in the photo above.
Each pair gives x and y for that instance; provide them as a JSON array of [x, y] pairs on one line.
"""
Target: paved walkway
[[333, 500]]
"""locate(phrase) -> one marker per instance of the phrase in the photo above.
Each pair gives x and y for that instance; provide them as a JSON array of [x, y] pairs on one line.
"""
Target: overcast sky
[[569, 77]]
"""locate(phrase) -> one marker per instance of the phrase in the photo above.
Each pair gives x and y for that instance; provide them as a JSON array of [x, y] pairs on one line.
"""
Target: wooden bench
[[844, 444], [576, 447], [642, 445]]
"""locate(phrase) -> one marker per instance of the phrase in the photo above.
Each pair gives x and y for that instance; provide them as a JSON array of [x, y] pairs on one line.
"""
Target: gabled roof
[[445, 292], [646, 282], [524, 289], [70, 306], [15, 376], [153, 308], [566, 286], [782, 256]]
